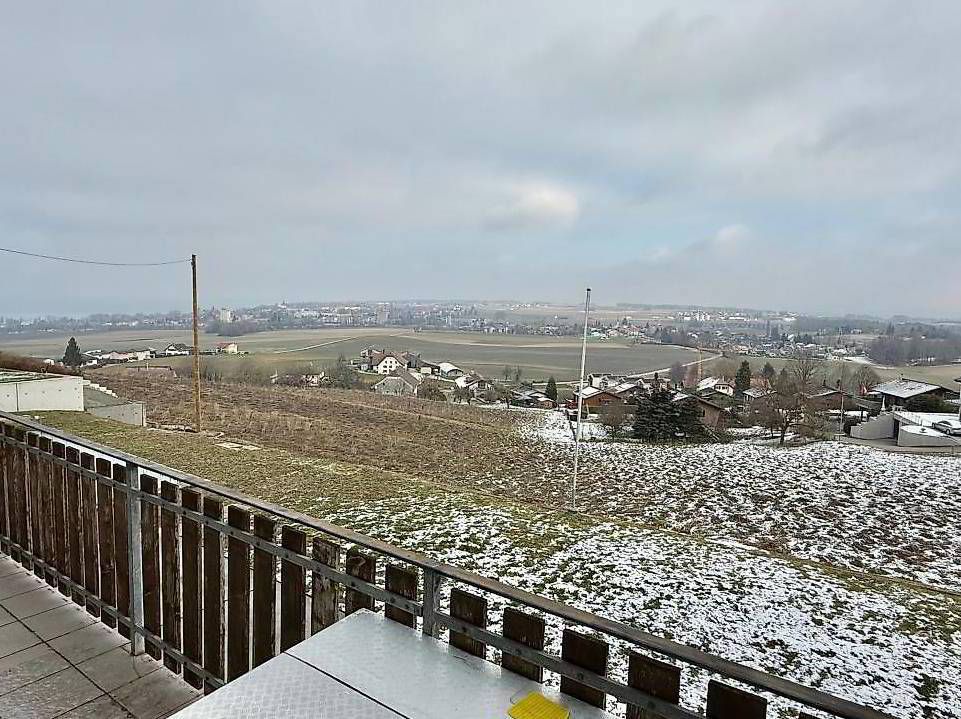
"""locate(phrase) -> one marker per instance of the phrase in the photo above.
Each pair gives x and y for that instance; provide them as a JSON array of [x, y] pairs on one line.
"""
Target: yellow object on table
[[537, 706]]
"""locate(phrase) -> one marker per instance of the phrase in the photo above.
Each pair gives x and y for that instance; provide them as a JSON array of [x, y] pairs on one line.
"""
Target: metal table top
[[368, 666]]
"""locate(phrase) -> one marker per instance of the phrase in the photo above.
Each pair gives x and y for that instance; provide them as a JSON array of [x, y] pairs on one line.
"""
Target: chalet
[[383, 363], [604, 381], [897, 393], [401, 382], [227, 348], [531, 398], [715, 384], [594, 399], [753, 394], [713, 415], [473, 382], [427, 368]]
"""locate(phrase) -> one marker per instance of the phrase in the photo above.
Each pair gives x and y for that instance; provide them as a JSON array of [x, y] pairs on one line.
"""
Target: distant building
[[399, 383], [178, 349], [451, 371], [531, 398], [227, 348], [896, 393], [225, 315]]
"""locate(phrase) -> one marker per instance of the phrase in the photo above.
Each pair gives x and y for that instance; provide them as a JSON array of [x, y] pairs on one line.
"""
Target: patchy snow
[[894, 647], [850, 506]]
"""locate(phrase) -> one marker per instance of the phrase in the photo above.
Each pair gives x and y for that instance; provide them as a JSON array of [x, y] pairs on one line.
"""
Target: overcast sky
[[786, 155]]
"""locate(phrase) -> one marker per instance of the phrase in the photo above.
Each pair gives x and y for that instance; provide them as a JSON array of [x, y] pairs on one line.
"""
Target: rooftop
[[905, 388], [16, 375]]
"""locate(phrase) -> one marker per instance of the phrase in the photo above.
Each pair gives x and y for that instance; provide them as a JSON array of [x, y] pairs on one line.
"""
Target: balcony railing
[[215, 583]]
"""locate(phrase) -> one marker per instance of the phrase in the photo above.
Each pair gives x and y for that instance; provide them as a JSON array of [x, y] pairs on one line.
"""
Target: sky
[[801, 156]]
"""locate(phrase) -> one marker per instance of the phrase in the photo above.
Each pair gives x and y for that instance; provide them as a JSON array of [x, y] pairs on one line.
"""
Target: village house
[[178, 349], [897, 393], [227, 348], [474, 383], [401, 382], [713, 416], [715, 384], [531, 398], [595, 399], [451, 371]]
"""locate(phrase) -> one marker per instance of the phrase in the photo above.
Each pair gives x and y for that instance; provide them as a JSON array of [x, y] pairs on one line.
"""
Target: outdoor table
[[368, 666]]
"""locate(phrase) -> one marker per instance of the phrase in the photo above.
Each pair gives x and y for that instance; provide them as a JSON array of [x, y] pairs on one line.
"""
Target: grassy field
[[288, 350]]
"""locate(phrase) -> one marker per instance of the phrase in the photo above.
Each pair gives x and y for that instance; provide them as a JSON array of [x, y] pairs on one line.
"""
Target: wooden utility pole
[[193, 271]]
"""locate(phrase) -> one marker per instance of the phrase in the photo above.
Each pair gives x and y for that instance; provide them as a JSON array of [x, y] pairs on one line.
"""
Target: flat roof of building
[[8, 376]]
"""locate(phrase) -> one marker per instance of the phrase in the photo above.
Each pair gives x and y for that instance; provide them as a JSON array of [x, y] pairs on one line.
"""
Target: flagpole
[[580, 399]]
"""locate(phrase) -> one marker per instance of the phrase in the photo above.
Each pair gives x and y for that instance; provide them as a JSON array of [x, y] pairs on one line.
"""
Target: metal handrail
[[778, 686]]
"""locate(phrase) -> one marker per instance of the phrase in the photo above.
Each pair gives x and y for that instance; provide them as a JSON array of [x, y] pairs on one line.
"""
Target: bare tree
[[677, 373], [614, 416], [805, 370]]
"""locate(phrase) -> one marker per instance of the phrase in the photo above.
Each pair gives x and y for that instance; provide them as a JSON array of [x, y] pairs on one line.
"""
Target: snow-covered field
[[892, 646], [853, 507]]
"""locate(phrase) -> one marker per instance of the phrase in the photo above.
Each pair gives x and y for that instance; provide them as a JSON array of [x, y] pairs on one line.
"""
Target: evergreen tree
[[657, 418], [551, 389], [742, 380], [768, 373], [689, 420], [71, 357]]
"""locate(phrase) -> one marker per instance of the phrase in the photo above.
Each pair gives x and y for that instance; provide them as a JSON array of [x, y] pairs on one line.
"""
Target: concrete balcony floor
[[58, 661]]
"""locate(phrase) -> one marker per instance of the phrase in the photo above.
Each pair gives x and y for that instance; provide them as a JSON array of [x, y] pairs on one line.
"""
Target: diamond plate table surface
[[285, 687], [368, 666]]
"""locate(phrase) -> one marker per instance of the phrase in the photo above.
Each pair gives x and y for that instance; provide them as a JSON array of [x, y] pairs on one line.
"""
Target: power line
[[93, 262]]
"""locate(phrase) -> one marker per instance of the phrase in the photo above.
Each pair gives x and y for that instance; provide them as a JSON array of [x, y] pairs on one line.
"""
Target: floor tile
[[57, 622], [49, 697], [30, 603], [102, 708], [28, 665], [18, 584], [82, 644], [6, 617], [8, 567], [15, 637], [154, 695], [115, 668]]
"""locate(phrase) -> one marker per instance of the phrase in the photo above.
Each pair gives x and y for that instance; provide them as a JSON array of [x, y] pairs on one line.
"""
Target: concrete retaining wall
[[880, 427], [37, 395], [129, 413]]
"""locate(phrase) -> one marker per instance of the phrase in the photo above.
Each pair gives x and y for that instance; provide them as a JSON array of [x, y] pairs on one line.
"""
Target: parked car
[[950, 427]]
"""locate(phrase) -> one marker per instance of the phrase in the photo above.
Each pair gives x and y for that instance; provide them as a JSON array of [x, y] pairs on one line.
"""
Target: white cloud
[[535, 205]]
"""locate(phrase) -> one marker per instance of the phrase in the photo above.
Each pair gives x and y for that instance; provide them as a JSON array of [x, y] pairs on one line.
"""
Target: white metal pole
[[580, 398]]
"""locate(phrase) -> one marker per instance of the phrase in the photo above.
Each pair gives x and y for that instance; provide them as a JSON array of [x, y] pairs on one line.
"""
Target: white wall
[[880, 427], [50, 393]]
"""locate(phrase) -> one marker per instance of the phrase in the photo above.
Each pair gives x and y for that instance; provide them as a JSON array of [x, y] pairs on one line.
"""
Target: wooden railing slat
[[213, 572], [323, 601], [293, 591], [192, 581], [403, 582], [264, 594], [589, 653], [238, 596], [108, 579], [526, 629]]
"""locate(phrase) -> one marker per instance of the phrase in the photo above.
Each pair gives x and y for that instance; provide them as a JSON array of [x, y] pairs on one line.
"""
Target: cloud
[[535, 206], [304, 149]]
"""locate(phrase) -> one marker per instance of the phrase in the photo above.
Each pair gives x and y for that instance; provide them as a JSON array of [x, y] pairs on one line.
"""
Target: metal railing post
[[431, 602], [135, 560]]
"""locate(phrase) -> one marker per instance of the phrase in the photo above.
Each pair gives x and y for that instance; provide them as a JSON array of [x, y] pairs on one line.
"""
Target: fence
[[215, 583]]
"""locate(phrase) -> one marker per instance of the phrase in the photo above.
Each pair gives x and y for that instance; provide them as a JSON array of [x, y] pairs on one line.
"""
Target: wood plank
[[4, 454], [108, 578], [59, 489], [74, 521], [363, 566], [659, 679], [23, 506], [91, 542], [23, 499], [471, 609], [727, 702], [190, 566], [265, 592], [120, 547], [403, 582], [170, 570], [238, 596], [323, 600], [293, 591], [588, 653], [34, 504], [45, 479], [528, 630], [150, 549], [213, 593]]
